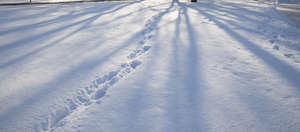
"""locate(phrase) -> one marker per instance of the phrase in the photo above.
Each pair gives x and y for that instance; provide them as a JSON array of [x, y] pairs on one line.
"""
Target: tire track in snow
[[98, 87]]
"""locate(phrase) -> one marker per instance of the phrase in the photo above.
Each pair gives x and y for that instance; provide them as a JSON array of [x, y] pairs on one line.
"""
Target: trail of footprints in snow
[[98, 88], [274, 39]]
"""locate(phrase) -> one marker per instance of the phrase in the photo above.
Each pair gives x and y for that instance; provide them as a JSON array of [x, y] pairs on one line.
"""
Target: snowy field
[[289, 1], [27, 1], [150, 66]]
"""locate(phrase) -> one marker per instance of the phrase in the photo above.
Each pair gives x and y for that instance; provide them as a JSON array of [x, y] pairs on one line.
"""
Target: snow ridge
[[98, 87]]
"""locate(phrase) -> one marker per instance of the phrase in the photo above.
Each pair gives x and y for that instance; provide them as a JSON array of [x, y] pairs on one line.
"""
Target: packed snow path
[[149, 66]]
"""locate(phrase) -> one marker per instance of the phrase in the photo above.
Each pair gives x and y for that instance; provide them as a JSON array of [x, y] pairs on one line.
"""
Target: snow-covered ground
[[34, 1], [153, 65], [292, 11], [289, 1]]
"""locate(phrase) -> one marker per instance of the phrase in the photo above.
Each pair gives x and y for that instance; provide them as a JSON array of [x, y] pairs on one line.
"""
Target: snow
[[222, 65], [289, 1], [27, 1]]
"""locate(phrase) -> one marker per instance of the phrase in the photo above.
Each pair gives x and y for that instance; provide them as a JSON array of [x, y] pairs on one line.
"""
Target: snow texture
[[149, 65]]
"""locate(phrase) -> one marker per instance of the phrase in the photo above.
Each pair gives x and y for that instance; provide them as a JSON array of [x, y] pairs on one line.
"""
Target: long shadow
[[27, 55], [235, 25], [60, 19], [139, 99], [236, 11], [241, 7], [131, 13], [191, 77], [288, 72], [285, 70], [59, 29], [25, 16], [177, 100], [69, 16], [255, 104], [83, 68], [267, 21], [32, 53], [22, 42], [175, 71]]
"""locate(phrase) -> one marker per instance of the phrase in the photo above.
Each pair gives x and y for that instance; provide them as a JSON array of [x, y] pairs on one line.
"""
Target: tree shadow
[[24, 16], [48, 88], [193, 92], [71, 16], [192, 86], [185, 82], [248, 14], [260, 105], [285, 70], [96, 14], [193, 81], [82, 23], [139, 100], [84, 67]]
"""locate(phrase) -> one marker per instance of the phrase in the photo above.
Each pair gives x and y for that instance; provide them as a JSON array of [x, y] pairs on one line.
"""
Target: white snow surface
[[33, 1], [152, 65]]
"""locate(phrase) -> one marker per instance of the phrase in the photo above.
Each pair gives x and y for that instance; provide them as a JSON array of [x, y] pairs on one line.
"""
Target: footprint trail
[[97, 89]]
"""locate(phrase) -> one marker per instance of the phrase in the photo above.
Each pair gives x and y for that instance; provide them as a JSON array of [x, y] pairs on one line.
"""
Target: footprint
[[138, 52], [288, 55], [146, 48], [276, 47], [148, 37], [272, 41], [99, 94], [135, 63], [98, 87]]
